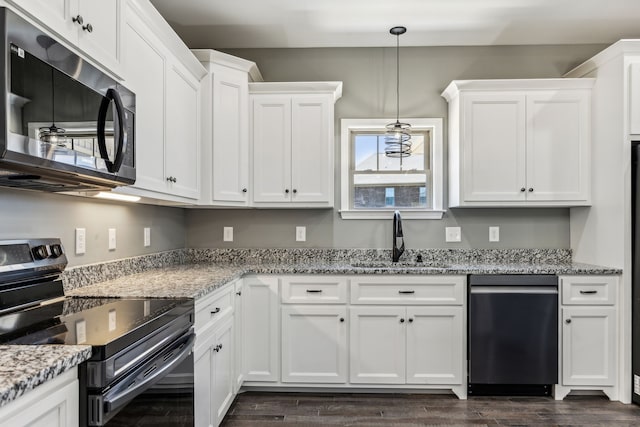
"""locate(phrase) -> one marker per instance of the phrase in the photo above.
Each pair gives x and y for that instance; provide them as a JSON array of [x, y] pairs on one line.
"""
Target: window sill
[[388, 214]]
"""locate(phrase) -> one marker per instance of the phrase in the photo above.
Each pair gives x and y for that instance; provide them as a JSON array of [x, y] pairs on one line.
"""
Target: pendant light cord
[[397, 77]]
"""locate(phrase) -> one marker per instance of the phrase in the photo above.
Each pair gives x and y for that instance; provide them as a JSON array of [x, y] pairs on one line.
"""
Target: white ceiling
[[334, 23]]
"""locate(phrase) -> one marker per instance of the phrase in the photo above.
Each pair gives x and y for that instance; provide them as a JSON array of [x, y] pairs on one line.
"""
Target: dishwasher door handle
[[514, 290]]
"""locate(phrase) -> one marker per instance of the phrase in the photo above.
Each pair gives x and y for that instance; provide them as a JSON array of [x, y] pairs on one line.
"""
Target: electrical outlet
[[81, 240], [147, 237], [453, 234], [301, 234], [494, 234], [112, 239], [227, 234]]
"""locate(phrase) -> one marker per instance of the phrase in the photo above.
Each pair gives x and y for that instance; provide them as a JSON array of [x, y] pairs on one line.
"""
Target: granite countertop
[[24, 367], [197, 280]]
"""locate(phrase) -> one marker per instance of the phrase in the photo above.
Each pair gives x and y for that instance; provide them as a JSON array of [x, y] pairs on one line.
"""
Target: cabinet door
[[311, 149], [183, 135], [104, 18], [435, 337], [230, 136], [314, 344], [588, 345], [141, 54], [377, 345], [224, 378], [493, 134], [558, 129], [260, 321], [203, 378], [55, 14], [238, 328], [271, 148]]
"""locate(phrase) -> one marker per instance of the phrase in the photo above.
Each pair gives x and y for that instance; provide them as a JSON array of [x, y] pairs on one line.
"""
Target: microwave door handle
[[121, 147], [148, 374]]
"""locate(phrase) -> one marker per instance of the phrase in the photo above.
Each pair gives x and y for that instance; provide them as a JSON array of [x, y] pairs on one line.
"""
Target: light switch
[[227, 234], [81, 240], [301, 234], [112, 239], [453, 234], [494, 234], [147, 237]]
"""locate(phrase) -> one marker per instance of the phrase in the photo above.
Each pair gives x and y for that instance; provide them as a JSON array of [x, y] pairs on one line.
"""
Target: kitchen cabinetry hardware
[[406, 292], [239, 293], [244, 190], [567, 321], [88, 28], [171, 179], [314, 291], [410, 320], [286, 190], [589, 292], [530, 190], [342, 319], [78, 19], [216, 311], [523, 189], [295, 191], [401, 320]]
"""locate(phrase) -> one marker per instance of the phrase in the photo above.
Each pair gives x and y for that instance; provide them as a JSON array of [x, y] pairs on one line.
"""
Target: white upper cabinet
[[91, 25], [519, 142], [225, 130], [292, 142], [165, 77], [634, 97]]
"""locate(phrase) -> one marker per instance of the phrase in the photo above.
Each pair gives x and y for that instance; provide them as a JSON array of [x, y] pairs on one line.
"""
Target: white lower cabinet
[[238, 367], [314, 344], [214, 356], [588, 335], [52, 404], [261, 339], [406, 345]]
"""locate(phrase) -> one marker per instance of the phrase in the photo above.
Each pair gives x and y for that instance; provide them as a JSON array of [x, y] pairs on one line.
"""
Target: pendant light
[[398, 137], [52, 134]]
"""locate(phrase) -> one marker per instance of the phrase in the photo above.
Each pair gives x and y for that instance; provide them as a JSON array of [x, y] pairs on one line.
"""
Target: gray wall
[[369, 92], [31, 214]]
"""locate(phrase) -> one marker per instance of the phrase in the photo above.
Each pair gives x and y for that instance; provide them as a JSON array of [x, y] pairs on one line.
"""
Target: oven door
[[158, 392]]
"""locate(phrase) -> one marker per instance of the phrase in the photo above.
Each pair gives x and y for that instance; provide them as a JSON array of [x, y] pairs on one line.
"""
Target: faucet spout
[[398, 237]]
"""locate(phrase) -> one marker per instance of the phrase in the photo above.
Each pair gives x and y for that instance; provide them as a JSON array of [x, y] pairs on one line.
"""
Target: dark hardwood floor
[[401, 410]]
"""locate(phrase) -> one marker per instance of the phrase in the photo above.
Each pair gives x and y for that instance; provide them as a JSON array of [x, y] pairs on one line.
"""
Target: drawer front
[[432, 290], [213, 307], [314, 290], [589, 290]]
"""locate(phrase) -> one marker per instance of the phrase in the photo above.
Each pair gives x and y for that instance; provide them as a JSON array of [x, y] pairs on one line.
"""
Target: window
[[374, 184]]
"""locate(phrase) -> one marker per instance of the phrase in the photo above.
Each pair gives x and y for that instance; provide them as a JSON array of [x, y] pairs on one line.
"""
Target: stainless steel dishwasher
[[513, 334]]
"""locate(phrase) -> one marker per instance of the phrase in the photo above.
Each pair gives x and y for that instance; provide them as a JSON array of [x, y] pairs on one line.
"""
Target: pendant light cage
[[398, 135], [52, 134]]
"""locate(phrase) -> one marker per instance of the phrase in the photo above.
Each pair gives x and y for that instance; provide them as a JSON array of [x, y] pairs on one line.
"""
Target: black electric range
[[140, 347]]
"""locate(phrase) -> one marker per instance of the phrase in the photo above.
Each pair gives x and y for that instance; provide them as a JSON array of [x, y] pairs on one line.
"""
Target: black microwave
[[66, 126]]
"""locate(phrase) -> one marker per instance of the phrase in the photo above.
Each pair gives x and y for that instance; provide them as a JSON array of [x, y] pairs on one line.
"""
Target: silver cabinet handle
[[406, 292], [590, 292], [314, 291], [216, 311]]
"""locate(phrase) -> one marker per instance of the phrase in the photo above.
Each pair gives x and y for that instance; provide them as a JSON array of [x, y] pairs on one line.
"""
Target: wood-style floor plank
[[258, 409]]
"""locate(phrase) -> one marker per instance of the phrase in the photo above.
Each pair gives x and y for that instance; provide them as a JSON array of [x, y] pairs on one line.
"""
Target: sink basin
[[399, 264]]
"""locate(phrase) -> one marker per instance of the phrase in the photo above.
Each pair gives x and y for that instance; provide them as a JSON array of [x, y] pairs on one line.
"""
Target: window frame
[[434, 127]]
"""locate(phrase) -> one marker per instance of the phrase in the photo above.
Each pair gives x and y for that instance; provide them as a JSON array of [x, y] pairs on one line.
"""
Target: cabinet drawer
[[589, 290], [432, 290], [314, 290], [213, 307]]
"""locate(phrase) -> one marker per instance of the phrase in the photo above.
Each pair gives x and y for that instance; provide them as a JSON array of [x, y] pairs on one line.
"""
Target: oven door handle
[[148, 374]]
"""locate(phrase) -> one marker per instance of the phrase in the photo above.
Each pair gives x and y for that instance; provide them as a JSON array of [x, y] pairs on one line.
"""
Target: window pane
[[390, 197], [365, 150]]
